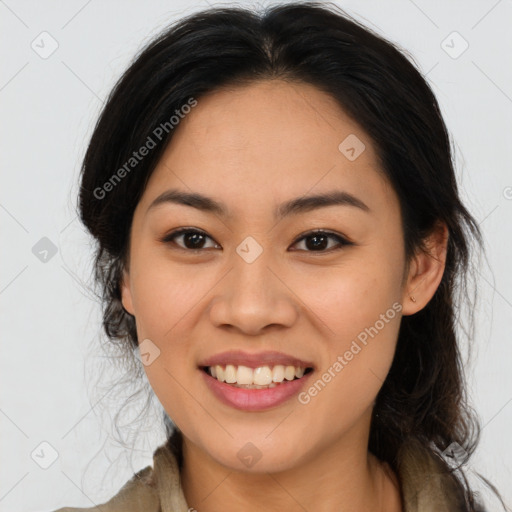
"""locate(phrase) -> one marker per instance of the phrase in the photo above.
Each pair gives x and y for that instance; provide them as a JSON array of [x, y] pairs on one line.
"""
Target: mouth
[[255, 389], [261, 377]]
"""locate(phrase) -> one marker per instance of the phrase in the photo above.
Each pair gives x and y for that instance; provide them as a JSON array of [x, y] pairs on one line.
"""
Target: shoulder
[[428, 484]]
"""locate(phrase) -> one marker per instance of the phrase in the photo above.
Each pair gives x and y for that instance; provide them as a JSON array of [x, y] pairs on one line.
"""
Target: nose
[[253, 298]]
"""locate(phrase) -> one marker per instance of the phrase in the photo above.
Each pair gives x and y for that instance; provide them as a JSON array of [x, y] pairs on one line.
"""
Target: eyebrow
[[294, 206]]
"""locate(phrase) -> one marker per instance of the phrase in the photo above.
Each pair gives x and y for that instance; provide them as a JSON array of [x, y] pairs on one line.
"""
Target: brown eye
[[315, 241], [318, 241], [191, 239]]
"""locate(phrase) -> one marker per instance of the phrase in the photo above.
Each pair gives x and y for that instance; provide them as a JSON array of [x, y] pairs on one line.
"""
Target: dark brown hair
[[423, 396]]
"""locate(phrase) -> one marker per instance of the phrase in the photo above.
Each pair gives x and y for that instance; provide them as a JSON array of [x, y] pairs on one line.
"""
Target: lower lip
[[254, 399]]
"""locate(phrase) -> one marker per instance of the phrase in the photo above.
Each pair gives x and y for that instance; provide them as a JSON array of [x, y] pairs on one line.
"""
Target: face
[[255, 278]]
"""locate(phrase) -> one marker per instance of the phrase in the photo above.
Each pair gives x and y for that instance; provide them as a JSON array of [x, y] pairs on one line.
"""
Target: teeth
[[278, 373], [289, 373], [255, 378], [262, 376], [244, 375], [230, 374]]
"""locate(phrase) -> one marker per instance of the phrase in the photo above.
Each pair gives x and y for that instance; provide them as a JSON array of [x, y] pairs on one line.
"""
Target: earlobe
[[426, 271], [126, 294]]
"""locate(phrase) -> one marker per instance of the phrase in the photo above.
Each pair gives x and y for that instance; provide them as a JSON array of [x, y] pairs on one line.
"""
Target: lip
[[267, 358], [254, 399]]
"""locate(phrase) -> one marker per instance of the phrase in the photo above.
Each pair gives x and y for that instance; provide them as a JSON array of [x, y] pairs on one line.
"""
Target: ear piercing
[[412, 298]]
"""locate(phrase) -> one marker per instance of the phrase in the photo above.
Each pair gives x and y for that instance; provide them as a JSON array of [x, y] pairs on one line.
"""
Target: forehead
[[264, 117], [269, 140]]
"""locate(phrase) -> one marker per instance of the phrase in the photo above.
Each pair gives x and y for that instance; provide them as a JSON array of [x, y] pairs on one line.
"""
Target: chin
[[258, 455]]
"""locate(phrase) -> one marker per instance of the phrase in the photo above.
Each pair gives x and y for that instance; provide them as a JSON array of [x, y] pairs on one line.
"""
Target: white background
[[54, 379]]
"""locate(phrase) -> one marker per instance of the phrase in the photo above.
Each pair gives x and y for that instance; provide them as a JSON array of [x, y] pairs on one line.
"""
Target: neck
[[343, 477]]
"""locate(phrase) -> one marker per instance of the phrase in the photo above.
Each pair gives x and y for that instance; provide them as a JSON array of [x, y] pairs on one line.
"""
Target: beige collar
[[425, 485]]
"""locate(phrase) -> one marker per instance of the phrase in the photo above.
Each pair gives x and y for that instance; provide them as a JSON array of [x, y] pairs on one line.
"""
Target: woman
[[280, 233]]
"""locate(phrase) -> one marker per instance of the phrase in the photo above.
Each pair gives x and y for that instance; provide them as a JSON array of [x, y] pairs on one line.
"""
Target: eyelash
[[169, 238]]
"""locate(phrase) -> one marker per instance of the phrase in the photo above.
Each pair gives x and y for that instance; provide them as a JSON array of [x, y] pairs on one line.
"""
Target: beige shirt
[[425, 486]]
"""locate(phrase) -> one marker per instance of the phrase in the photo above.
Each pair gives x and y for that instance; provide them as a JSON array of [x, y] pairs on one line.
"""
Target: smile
[[253, 397], [261, 377]]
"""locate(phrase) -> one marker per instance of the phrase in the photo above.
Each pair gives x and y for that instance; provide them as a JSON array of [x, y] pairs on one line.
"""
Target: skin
[[252, 148]]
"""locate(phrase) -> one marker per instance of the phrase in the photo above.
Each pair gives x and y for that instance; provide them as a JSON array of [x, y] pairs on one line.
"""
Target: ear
[[126, 293], [426, 271]]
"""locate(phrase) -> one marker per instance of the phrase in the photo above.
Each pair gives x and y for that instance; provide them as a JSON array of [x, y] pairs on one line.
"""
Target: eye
[[315, 241], [318, 241], [192, 239]]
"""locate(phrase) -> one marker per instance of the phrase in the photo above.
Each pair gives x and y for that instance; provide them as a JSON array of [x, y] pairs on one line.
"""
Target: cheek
[[167, 299], [164, 295], [169, 381], [164, 301], [357, 361], [359, 311], [348, 299]]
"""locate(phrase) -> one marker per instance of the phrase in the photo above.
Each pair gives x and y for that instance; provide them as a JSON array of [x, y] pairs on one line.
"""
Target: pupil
[[197, 238], [316, 245], [315, 242]]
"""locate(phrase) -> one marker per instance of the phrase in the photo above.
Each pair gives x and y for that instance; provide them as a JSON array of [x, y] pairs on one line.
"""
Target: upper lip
[[268, 358]]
